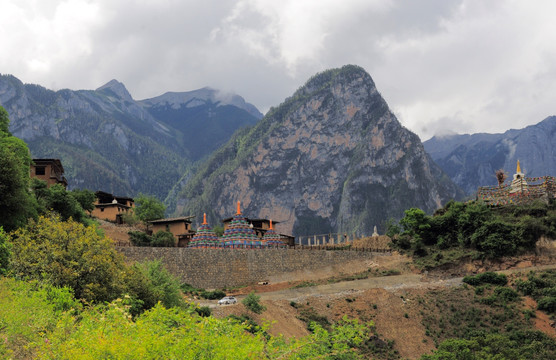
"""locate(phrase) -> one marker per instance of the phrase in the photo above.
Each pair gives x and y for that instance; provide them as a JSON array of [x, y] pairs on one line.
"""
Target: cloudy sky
[[442, 65]]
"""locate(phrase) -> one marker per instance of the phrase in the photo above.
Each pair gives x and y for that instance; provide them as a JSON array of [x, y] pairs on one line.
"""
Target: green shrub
[[149, 283], [66, 253], [486, 278], [548, 304], [163, 239], [252, 302], [203, 311], [160, 239], [139, 238], [212, 295]]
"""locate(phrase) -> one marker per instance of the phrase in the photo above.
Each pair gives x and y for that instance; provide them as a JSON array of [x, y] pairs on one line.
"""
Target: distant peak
[[346, 73], [117, 88]]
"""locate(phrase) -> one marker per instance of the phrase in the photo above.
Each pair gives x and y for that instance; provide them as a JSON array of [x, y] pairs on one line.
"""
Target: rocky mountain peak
[[117, 88], [331, 158]]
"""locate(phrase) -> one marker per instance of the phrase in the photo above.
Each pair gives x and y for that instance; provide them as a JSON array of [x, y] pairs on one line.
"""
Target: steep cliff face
[[332, 158], [108, 141], [471, 160]]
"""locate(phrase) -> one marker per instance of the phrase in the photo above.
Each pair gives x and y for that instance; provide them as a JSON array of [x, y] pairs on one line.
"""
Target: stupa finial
[[238, 208], [271, 225], [205, 219], [518, 171]]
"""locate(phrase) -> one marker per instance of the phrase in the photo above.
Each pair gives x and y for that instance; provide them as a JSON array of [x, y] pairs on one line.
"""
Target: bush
[[212, 295], [547, 303], [496, 238], [203, 311], [252, 303], [139, 238], [149, 283], [486, 278], [163, 239], [160, 239], [66, 253]]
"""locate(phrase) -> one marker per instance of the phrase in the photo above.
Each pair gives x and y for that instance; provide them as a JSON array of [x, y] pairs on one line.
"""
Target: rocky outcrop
[[331, 158], [471, 160]]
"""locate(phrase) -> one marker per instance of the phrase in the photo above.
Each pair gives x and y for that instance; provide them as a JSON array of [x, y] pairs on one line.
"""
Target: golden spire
[[270, 224], [238, 209], [518, 171], [205, 219]]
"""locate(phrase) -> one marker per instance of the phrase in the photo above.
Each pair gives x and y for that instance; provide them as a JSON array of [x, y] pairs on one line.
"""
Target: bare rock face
[[331, 158]]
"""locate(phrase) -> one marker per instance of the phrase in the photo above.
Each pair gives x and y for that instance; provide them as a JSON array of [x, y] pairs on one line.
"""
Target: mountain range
[[330, 158], [471, 160], [108, 141]]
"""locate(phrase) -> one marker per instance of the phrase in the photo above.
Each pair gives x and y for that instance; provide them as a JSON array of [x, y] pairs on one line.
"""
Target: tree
[[66, 253], [252, 302], [17, 204], [149, 208], [85, 198], [4, 123], [57, 198]]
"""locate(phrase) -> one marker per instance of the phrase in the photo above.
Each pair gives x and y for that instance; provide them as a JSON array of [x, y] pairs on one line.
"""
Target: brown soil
[[118, 233], [542, 320], [389, 301]]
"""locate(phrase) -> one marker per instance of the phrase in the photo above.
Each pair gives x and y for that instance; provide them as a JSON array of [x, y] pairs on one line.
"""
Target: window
[[40, 170]]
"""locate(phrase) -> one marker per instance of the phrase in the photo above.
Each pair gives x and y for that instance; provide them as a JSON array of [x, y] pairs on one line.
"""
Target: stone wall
[[225, 268]]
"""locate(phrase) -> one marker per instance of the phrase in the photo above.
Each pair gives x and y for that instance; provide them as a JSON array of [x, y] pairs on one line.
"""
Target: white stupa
[[519, 184]]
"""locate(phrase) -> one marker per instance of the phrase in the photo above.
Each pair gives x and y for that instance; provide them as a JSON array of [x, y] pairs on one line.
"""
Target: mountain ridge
[[107, 140], [472, 159]]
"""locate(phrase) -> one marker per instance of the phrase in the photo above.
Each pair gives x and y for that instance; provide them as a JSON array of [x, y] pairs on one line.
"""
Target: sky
[[443, 66]]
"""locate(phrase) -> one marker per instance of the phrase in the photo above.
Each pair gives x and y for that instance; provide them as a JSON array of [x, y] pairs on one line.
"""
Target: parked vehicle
[[227, 300]]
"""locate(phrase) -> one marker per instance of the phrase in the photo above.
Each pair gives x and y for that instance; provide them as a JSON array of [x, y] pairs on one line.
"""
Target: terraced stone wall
[[226, 268]]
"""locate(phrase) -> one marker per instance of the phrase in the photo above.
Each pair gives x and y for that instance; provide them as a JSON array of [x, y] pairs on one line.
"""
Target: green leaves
[[252, 302], [68, 254], [149, 208]]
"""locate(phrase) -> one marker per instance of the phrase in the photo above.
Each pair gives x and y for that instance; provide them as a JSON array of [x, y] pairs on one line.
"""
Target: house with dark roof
[[111, 208]]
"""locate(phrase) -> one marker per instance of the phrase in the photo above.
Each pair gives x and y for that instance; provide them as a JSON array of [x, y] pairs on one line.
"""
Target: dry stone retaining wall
[[225, 268]]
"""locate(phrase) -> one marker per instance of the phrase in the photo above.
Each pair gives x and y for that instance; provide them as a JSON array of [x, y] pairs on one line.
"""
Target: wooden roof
[[171, 220]]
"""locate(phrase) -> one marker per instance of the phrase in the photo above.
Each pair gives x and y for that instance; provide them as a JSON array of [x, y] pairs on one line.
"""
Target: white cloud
[[461, 65]]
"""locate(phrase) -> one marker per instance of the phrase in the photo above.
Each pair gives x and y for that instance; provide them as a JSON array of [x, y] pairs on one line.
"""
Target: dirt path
[[410, 281]]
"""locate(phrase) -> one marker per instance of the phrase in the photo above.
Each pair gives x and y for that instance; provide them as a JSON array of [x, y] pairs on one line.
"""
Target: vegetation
[[472, 229], [47, 323], [252, 302], [148, 284], [149, 208], [159, 239], [5, 252], [542, 288], [66, 253], [17, 204], [486, 278], [486, 321]]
